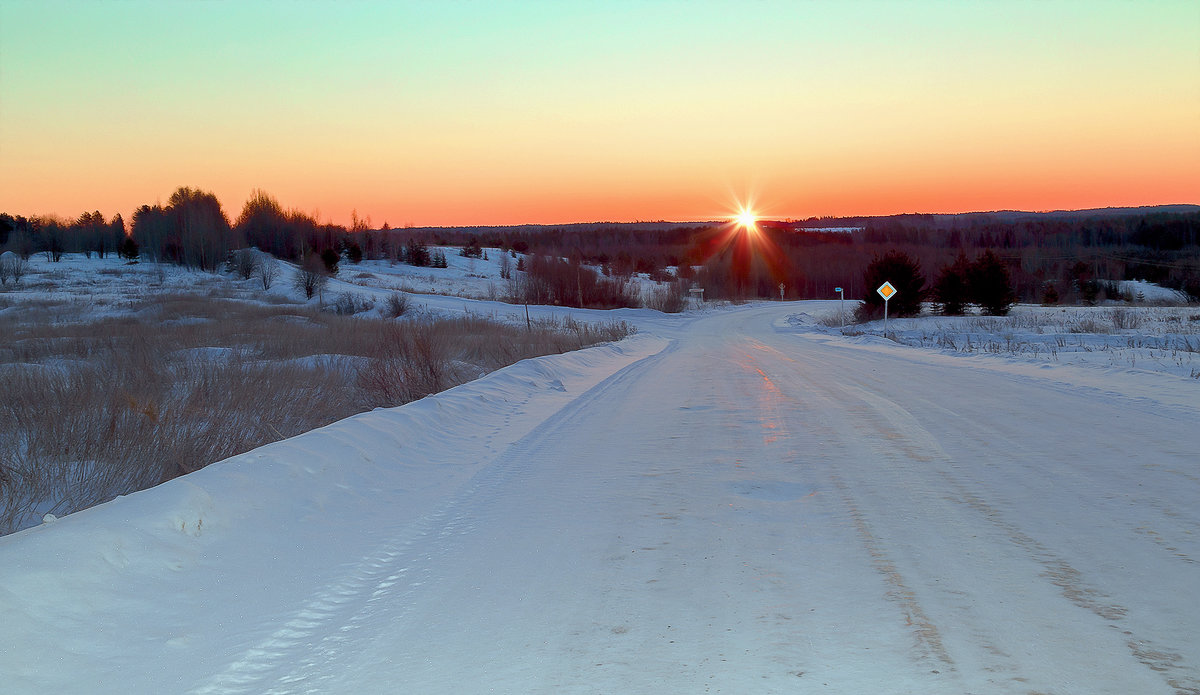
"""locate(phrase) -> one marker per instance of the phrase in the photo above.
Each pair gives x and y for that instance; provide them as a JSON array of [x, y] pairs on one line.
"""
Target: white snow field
[[732, 501]]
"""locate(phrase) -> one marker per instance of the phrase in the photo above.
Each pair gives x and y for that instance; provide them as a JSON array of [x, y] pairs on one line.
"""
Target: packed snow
[[742, 499]]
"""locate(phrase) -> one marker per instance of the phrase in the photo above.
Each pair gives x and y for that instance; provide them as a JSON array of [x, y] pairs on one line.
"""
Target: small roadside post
[[841, 304], [887, 292], [781, 286]]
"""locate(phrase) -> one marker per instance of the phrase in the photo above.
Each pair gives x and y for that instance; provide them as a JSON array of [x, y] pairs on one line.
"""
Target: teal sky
[[456, 112]]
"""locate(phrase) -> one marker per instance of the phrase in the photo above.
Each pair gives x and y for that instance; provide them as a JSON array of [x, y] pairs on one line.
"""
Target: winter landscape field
[[397, 347], [736, 498]]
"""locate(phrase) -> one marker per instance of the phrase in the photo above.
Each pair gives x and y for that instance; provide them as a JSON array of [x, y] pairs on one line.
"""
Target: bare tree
[[311, 277], [12, 267], [267, 271]]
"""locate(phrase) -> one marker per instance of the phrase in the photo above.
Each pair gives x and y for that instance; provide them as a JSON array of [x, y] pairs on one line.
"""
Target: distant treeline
[[1062, 254]]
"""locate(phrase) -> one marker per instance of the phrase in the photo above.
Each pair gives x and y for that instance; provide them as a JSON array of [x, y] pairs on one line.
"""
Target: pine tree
[[991, 287], [951, 289], [905, 275]]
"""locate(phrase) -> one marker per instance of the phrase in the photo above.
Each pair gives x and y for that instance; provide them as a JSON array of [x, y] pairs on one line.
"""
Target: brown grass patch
[[97, 409]]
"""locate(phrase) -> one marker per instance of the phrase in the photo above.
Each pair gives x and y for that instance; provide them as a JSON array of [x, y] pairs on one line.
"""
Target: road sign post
[[841, 304], [887, 292], [781, 287]]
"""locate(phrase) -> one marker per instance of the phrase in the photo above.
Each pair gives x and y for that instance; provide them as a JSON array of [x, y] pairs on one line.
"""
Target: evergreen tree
[[330, 258], [128, 249], [991, 287], [951, 289], [905, 275], [417, 253]]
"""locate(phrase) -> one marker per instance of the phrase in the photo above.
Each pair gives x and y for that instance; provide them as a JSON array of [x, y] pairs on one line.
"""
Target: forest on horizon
[[1070, 256]]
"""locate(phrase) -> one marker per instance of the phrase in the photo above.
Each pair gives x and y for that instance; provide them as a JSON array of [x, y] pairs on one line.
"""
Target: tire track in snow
[[270, 666], [292, 660], [927, 639], [1075, 588], [848, 415], [897, 427], [926, 636], [1057, 570]]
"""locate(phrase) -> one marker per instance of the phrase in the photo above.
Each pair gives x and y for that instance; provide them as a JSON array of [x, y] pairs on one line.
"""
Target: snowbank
[[174, 566]]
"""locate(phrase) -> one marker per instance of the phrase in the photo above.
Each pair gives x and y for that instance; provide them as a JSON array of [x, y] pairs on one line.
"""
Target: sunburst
[[746, 218]]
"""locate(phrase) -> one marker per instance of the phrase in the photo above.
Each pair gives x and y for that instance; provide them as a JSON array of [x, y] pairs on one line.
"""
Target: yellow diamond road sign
[[886, 291]]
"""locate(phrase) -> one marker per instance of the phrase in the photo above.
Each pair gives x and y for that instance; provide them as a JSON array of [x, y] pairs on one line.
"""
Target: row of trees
[[983, 282], [1070, 257], [88, 234], [192, 229]]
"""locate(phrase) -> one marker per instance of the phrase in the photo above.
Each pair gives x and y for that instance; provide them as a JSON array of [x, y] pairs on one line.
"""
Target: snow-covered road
[[731, 506]]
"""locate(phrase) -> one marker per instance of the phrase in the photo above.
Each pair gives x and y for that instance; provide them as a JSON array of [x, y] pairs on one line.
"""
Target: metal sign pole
[[887, 291], [841, 305]]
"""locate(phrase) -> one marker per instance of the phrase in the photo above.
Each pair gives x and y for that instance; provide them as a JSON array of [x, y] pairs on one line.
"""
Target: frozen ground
[[737, 501]]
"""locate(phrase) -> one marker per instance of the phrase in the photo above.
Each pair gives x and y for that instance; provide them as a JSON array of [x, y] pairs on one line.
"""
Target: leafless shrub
[[548, 280], [413, 362], [834, 320], [243, 262], [397, 304], [12, 267], [670, 299], [311, 277], [1087, 324], [1125, 319], [349, 304]]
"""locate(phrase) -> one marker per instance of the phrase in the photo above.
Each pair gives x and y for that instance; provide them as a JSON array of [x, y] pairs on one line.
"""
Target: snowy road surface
[[721, 504]]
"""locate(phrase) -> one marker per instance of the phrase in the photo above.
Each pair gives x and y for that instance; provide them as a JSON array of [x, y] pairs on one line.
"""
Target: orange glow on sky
[[522, 112]]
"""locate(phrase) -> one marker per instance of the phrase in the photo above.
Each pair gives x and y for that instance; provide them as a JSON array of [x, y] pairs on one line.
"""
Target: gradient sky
[[456, 113]]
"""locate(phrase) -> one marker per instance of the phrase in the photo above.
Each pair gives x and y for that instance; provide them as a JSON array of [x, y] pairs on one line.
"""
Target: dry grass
[[97, 409]]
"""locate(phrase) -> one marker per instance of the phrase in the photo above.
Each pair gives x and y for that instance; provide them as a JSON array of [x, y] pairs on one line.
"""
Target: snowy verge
[[179, 565], [1091, 371]]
